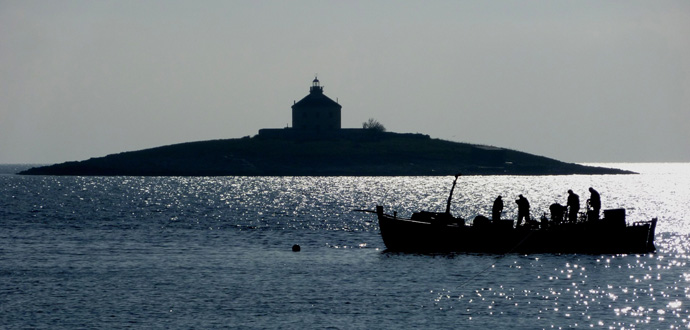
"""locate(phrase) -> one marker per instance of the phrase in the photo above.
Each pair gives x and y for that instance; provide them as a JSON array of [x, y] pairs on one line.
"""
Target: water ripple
[[210, 252]]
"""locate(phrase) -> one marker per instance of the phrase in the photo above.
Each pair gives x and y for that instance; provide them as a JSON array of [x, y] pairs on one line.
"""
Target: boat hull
[[593, 237]]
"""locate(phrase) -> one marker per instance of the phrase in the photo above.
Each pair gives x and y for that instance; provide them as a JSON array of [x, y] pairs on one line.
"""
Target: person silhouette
[[594, 201], [497, 209], [523, 209], [557, 211], [573, 206]]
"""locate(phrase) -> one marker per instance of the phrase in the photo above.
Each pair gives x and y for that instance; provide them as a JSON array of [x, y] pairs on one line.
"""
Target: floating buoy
[[296, 248]]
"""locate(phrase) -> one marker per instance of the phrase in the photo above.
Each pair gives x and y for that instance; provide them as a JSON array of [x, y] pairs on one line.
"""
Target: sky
[[579, 81]]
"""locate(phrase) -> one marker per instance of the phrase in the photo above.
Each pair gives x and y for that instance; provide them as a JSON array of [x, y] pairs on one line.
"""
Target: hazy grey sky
[[579, 81]]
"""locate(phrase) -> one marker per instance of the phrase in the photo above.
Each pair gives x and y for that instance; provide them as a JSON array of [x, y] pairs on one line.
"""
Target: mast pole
[[450, 197]]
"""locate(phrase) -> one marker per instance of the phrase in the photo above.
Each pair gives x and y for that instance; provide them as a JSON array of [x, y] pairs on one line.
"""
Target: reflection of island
[[317, 145]]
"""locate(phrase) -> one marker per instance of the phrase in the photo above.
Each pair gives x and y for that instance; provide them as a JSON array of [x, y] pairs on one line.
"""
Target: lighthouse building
[[314, 116], [316, 112]]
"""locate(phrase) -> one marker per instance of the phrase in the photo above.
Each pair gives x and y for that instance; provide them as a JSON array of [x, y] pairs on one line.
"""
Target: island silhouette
[[317, 145]]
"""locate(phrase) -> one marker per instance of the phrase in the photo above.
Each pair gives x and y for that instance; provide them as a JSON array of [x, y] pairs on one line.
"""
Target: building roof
[[316, 98], [313, 100]]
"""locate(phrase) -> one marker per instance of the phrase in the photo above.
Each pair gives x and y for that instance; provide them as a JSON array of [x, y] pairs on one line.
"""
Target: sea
[[82, 252]]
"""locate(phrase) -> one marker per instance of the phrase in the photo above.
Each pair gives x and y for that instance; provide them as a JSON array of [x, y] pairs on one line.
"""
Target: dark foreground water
[[183, 253]]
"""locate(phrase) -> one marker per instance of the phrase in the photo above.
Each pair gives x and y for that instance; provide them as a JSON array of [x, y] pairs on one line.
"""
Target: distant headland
[[316, 144]]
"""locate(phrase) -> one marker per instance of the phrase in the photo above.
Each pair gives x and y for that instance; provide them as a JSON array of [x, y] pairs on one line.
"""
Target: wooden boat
[[441, 232]]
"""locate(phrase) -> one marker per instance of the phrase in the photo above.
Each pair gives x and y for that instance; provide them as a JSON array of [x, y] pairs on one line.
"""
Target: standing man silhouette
[[497, 209], [573, 206], [523, 209], [594, 201]]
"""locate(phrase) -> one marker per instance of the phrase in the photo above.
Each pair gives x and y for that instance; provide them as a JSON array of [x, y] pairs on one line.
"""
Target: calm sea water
[[215, 252]]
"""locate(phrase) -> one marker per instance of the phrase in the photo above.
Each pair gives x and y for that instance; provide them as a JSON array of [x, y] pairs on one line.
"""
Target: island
[[374, 154], [317, 145]]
